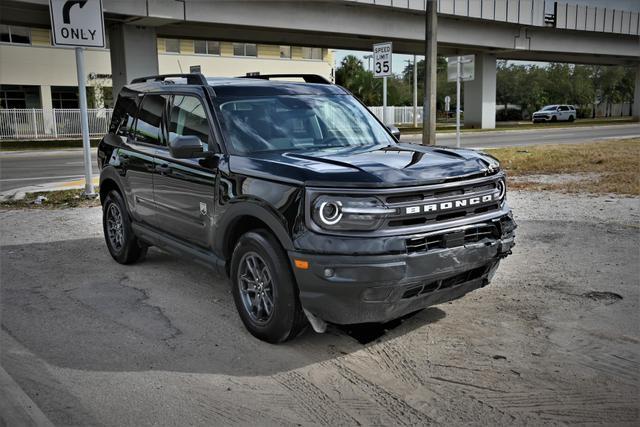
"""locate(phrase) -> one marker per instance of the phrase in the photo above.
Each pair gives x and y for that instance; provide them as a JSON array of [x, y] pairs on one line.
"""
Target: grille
[[452, 239], [428, 287], [413, 206]]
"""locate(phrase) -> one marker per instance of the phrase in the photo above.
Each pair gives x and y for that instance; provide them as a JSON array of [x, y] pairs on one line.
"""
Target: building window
[[65, 97], [245, 49], [312, 53], [15, 34], [206, 47], [18, 96], [285, 52], [172, 45]]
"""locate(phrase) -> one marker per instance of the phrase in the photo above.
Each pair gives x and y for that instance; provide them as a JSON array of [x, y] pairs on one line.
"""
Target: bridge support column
[[636, 96], [480, 94], [134, 53]]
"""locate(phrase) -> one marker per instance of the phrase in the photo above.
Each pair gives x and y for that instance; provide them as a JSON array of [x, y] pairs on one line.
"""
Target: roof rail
[[308, 78], [192, 78]]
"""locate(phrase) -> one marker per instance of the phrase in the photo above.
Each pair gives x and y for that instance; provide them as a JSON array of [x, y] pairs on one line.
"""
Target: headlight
[[501, 186], [349, 213]]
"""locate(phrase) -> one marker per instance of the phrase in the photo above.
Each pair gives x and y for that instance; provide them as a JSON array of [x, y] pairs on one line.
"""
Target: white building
[[36, 74]]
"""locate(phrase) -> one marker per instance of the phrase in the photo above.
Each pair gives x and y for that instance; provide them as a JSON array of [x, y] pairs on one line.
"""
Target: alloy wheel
[[256, 287]]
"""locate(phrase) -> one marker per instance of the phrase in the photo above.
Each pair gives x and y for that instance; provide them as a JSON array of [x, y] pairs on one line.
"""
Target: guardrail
[[36, 123]]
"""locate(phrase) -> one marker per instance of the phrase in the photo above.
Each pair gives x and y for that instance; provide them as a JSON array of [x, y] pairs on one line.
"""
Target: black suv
[[298, 194]]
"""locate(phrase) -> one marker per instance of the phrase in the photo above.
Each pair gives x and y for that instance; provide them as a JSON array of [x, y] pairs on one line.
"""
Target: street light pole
[[368, 58], [431, 62]]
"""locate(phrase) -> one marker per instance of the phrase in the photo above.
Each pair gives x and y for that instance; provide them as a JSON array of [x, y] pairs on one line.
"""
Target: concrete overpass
[[492, 29]]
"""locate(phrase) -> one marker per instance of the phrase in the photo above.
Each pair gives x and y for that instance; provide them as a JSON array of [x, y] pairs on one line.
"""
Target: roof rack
[[308, 78], [192, 78]]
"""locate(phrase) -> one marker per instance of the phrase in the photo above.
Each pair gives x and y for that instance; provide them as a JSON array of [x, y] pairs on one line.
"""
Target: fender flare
[[110, 173], [253, 208]]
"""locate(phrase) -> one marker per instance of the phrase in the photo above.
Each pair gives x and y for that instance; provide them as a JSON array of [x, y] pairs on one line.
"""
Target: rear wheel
[[571, 118], [122, 243], [264, 288]]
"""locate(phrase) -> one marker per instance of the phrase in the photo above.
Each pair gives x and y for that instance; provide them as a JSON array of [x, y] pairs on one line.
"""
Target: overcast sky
[[399, 61]]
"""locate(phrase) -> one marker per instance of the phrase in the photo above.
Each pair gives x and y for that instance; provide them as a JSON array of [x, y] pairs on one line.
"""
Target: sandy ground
[[555, 339]]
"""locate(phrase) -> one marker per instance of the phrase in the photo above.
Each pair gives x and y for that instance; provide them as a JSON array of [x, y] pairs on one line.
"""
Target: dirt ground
[[555, 339]]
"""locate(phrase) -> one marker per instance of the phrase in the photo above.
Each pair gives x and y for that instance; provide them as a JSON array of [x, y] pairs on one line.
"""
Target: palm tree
[[350, 66]]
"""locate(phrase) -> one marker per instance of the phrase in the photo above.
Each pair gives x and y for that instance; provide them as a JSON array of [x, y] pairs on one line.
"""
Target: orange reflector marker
[[301, 264]]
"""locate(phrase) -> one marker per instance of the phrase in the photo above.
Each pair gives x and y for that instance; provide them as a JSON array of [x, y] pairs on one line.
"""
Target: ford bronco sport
[[295, 191]]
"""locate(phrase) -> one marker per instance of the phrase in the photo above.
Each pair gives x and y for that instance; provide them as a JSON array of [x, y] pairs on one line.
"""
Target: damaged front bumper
[[347, 288]]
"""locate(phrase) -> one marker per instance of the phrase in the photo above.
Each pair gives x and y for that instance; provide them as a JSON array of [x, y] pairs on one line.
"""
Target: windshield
[[301, 122], [550, 108]]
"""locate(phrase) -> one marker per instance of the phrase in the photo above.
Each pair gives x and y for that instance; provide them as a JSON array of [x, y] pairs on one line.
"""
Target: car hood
[[396, 165]]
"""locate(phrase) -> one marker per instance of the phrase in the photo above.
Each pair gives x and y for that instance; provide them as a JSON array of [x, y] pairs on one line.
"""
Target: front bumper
[[346, 288]]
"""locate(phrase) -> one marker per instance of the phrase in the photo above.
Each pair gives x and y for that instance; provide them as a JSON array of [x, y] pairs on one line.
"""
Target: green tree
[[349, 68]]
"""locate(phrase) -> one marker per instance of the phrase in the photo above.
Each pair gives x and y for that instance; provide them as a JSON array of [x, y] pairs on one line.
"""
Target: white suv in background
[[555, 113]]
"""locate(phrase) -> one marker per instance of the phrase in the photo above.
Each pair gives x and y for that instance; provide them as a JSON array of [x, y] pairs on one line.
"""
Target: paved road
[[497, 139], [20, 169], [554, 341], [27, 168]]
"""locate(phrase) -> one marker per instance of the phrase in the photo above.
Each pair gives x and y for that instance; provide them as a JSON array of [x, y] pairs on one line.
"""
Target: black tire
[[286, 318], [554, 118], [571, 119], [125, 247]]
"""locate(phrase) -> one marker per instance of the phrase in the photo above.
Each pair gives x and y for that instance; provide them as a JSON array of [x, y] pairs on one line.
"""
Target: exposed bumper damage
[[346, 288]]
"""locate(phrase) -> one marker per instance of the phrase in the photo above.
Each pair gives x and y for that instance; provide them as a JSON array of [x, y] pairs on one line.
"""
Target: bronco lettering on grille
[[443, 206]]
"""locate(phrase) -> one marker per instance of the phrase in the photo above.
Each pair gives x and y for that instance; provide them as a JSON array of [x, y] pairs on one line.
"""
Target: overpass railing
[[525, 12], [559, 14]]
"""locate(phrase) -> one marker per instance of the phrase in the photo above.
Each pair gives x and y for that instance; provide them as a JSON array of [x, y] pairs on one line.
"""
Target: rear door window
[[149, 129], [187, 117]]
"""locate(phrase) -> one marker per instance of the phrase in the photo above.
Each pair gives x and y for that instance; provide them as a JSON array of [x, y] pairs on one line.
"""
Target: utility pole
[[415, 92], [431, 61]]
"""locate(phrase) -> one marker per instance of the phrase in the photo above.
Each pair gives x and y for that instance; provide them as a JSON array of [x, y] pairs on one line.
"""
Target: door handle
[[163, 169]]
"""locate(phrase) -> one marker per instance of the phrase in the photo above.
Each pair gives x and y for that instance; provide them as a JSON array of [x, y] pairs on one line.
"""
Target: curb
[[16, 408], [21, 193]]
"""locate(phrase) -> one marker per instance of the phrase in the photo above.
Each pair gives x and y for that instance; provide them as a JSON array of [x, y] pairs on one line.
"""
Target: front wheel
[[122, 243], [264, 288], [554, 118]]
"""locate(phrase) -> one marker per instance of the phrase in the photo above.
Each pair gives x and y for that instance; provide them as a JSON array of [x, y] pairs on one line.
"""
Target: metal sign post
[[382, 54], [447, 107], [79, 23], [464, 71]]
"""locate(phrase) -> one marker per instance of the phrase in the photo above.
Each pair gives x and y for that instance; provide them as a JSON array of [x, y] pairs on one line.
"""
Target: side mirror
[[186, 147], [394, 131]]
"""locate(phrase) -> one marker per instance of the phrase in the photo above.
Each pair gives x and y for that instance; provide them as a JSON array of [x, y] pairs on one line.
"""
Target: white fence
[[400, 115], [32, 123]]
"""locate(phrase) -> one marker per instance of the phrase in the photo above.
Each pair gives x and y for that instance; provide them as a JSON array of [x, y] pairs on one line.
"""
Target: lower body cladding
[[347, 289]]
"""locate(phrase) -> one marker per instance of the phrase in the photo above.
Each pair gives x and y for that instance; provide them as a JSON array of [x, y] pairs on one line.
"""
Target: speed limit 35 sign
[[382, 59]]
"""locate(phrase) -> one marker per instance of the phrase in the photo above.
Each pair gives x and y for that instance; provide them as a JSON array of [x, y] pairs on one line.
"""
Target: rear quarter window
[[124, 114]]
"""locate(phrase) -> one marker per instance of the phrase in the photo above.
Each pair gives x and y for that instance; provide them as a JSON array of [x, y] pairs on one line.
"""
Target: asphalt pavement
[[515, 138], [29, 168], [555, 339]]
